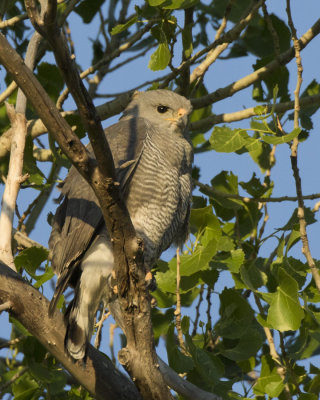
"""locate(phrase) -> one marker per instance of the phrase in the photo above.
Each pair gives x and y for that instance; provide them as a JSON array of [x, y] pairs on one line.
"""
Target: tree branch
[[213, 54], [259, 74], [18, 123], [281, 369], [207, 123], [30, 308], [211, 191], [228, 37], [12, 21], [294, 156]]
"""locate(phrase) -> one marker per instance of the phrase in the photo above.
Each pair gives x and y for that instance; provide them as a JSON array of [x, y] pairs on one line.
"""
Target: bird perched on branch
[[153, 158]]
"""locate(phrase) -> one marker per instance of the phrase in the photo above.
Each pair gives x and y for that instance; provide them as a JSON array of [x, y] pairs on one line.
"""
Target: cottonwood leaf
[[226, 140], [160, 58], [285, 312]]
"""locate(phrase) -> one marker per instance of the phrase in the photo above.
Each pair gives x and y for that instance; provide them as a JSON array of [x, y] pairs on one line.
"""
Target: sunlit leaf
[[122, 27], [269, 382], [160, 58], [285, 312]]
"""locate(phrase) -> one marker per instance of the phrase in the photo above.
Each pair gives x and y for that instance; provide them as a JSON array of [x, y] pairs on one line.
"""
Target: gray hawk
[[153, 159]]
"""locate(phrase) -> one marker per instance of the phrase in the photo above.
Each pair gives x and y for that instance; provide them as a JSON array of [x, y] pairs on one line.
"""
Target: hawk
[[153, 160]]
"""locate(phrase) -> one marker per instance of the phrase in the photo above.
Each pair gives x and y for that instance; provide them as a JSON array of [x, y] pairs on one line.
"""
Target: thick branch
[[37, 128], [30, 308], [19, 127], [135, 307]]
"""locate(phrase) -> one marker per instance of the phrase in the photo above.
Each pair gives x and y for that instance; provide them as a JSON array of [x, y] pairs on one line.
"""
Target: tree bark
[[30, 307]]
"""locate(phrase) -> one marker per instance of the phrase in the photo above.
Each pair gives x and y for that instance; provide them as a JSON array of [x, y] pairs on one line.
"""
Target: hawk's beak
[[180, 118]]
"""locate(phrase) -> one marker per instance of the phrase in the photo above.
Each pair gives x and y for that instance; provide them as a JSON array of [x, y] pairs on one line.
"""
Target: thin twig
[[207, 123], [209, 190], [12, 21], [265, 220], [259, 74], [213, 54], [273, 32], [196, 321], [8, 343], [8, 91], [177, 311], [228, 37], [281, 369], [224, 21], [294, 156], [13, 379]]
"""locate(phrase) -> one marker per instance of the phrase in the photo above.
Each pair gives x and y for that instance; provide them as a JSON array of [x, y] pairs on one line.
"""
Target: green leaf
[[30, 165], [314, 385], [156, 3], [258, 38], [31, 258], [24, 387], [199, 259], [224, 139], [236, 315], [247, 346], [166, 281], [254, 187], [235, 261], [173, 4], [200, 113], [308, 396], [160, 58], [293, 238], [161, 321], [269, 382], [206, 223], [294, 219], [252, 276], [187, 41], [87, 9], [225, 182], [260, 154], [180, 4], [41, 279], [122, 27], [225, 244], [297, 269], [19, 327], [208, 366], [285, 312], [185, 324], [177, 360], [281, 139], [50, 78]]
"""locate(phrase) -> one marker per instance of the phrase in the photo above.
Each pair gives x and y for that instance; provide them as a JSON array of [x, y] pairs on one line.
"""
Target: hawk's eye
[[162, 109]]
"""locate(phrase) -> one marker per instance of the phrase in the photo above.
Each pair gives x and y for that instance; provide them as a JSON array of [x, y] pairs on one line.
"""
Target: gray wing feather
[[79, 218]]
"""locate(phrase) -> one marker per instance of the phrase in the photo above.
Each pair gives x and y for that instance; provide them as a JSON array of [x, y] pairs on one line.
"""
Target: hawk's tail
[[79, 330]]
